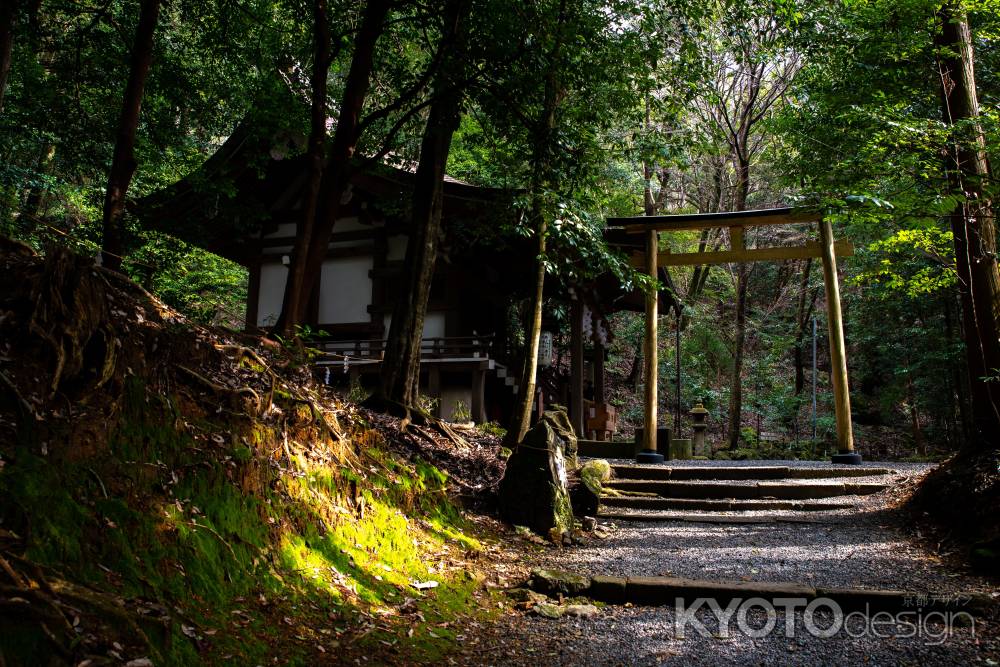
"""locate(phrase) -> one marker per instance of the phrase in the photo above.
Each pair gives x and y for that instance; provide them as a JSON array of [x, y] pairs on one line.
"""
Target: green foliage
[[748, 437], [428, 404], [492, 428], [357, 393], [461, 413], [202, 286]]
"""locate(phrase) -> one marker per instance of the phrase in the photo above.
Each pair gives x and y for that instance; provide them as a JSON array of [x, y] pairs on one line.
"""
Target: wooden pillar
[[600, 394], [838, 350], [253, 295], [576, 367], [434, 387], [650, 361], [478, 408]]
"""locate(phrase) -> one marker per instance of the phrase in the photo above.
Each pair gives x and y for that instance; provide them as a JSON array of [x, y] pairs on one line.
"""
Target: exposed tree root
[[26, 415], [222, 389], [47, 600], [410, 416], [71, 315]]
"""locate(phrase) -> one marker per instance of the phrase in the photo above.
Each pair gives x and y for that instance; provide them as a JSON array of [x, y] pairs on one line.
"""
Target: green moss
[[594, 473], [161, 516]]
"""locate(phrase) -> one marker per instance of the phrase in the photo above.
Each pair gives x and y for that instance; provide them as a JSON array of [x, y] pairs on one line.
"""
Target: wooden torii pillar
[[650, 357], [826, 249]]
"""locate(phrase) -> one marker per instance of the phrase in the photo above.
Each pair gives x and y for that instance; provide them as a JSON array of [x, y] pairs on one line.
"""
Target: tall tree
[[8, 16], [803, 311], [542, 132], [123, 162], [305, 267], [294, 294], [400, 369], [752, 69], [972, 222]]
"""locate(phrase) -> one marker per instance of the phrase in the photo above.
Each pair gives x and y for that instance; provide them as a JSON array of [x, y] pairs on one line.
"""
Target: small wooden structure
[[245, 203], [649, 257]]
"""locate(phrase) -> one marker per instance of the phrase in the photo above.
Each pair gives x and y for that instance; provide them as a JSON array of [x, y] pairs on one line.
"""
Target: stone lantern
[[699, 416]]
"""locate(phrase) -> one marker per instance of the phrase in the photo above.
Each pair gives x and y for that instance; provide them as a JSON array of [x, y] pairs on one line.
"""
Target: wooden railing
[[448, 347]]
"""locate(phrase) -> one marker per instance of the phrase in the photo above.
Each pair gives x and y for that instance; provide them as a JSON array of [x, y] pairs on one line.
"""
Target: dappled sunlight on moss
[[203, 522]]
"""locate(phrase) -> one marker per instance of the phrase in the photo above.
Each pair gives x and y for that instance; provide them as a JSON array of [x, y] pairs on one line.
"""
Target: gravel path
[[868, 550], [864, 554], [647, 636]]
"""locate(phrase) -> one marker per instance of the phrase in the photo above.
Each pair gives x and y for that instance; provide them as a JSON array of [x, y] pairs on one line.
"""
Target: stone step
[[689, 504], [682, 473], [667, 590], [714, 517], [760, 490]]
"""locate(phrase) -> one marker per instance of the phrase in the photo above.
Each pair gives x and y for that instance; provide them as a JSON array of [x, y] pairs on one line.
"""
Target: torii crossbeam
[[827, 249]]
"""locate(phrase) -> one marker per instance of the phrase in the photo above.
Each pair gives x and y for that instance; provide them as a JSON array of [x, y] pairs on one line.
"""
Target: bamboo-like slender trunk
[[736, 379], [803, 311], [541, 167]]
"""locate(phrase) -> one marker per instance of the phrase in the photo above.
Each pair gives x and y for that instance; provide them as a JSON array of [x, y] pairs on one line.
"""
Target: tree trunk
[[544, 133], [123, 162], [522, 415], [736, 384], [742, 282], [806, 301], [958, 378], [911, 396], [294, 294], [973, 227], [8, 15], [400, 372], [35, 201], [635, 373], [336, 176]]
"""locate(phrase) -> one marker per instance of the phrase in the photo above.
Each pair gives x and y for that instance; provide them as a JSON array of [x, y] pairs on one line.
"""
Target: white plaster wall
[[349, 225], [396, 248], [345, 290], [272, 292], [284, 229], [433, 325]]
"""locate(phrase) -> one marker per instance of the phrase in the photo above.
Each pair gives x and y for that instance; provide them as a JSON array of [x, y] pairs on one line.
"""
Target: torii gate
[[737, 222]]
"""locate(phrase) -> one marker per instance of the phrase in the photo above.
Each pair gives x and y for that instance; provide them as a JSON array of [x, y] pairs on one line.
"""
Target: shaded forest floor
[[177, 494]]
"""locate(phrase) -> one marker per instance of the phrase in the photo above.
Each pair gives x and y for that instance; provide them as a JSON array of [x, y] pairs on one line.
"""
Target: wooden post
[[838, 352], [600, 393], [576, 368], [434, 388], [478, 396], [650, 361]]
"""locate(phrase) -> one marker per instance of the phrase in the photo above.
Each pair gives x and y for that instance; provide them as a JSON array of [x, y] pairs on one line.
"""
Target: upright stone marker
[[534, 490]]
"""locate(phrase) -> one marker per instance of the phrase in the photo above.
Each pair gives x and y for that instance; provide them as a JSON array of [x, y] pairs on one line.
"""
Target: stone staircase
[[738, 493]]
